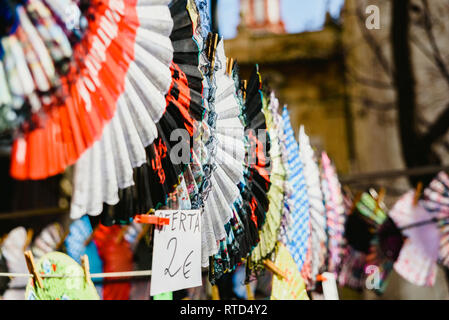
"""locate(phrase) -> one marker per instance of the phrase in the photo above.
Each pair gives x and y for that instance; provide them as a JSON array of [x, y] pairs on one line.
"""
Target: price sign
[[177, 252]]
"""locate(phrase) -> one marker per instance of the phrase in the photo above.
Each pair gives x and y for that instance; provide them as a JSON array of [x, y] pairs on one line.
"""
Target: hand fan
[[48, 240], [257, 162], [299, 231], [268, 234], [369, 230], [153, 180], [123, 50], [317, 211], [335, 213], [293, 287], [117, 256], [418, 257], [228, 153], [73, 286], [12, 249], [75, 243]]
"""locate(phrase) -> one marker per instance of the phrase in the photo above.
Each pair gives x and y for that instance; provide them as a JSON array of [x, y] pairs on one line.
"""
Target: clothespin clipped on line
[[244, 86], [29, 258], [212, 42], [418, 192], [63, 235], [229, 66], [86, 268], [28, 239], [272, 267]]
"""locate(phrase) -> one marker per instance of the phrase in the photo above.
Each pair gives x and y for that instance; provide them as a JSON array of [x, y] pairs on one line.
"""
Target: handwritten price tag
[[177, 252]]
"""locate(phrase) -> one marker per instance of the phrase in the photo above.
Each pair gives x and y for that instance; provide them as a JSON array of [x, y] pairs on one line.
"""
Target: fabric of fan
[[187, 51], [269, 232], [257, 162], [12, 249], [377, 236], [335, 214], [317, 210], [47, 241], [286, 220], [150, 183], [126, 44], [72, 286], [418, 258], [292, 288], [352, 272], [117, 257], [299, 230], [229, 154], [79, 231]]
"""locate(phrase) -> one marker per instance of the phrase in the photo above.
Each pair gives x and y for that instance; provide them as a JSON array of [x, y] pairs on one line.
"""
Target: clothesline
[[123, 274]]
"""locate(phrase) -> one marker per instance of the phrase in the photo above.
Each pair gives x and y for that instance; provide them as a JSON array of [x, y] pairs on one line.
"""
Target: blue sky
[[298, 15]]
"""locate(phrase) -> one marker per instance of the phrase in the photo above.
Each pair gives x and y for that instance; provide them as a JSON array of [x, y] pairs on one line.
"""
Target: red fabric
[[117, 257]]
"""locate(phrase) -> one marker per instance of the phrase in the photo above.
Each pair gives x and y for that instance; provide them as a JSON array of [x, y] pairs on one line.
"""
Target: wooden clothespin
[[212, 47], [244, 86], [272, 267], [229, 66], [28, 239], [91, 237], [32, 268], [215, 293], [249, 292], [122, 233], [380, 198], [418, 192], [86, 268]]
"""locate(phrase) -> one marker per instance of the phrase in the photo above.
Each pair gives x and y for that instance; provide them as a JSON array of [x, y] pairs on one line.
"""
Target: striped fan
[[13, 247], [269, 232], [317, 210], [299, 231], [228, 153], [335, 214], [121, 58], [48, 240]]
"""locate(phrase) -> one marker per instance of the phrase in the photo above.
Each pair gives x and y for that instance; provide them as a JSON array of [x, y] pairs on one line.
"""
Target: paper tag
[[177, 252], [330, 289]]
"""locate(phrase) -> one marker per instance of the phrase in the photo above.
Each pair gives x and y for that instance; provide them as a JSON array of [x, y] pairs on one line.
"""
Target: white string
[[124, 274]]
